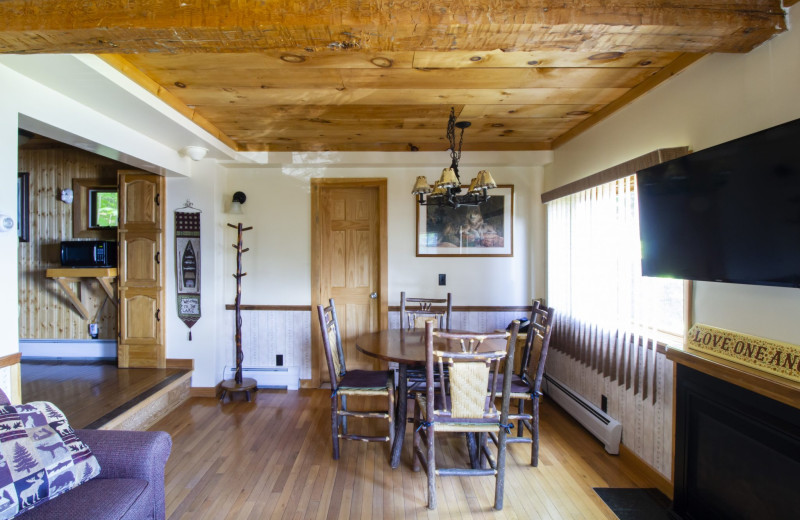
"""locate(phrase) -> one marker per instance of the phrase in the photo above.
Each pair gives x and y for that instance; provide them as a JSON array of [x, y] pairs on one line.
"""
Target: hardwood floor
[[271, 459], [90, 392]]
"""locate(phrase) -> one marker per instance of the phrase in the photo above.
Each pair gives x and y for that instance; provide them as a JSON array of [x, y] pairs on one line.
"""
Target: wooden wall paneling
[[45, 312]]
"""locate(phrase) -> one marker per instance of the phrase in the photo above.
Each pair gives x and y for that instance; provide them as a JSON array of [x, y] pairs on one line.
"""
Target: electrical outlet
[[279, 360], [604, 403], [442, 279]]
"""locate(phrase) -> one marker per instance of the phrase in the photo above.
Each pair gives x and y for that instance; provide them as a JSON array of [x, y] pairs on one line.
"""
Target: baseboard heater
[[607, 429], [271, 377]]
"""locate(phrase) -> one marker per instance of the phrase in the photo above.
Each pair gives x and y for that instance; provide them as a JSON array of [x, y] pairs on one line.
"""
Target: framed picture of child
[[484, 230]]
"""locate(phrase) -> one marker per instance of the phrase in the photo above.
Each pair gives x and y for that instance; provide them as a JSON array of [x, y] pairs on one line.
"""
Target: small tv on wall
[[728, 213]]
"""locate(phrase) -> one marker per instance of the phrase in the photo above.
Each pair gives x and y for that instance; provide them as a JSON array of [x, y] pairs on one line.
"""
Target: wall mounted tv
[[729, 213]]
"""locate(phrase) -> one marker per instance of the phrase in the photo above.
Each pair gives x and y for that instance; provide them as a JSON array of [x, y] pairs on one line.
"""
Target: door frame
[[317, 186]]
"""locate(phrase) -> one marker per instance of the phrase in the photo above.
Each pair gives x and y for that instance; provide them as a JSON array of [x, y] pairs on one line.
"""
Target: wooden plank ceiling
[[282, 75]]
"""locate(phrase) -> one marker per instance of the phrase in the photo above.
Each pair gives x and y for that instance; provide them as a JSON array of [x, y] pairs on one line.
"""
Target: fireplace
[[737, 452]]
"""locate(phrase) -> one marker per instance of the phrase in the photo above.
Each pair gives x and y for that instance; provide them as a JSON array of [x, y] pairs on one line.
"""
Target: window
[[95, 208], [103, 206], [594, 266]]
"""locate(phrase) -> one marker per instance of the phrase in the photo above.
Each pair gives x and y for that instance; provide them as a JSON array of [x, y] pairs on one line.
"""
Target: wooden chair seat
[[520, 389], [443, 418], [366, 382]]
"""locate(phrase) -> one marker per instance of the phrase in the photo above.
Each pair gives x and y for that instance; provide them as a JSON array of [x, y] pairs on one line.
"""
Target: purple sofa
[[131, 481]]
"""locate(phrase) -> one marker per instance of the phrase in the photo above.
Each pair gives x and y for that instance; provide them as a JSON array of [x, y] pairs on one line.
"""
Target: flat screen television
[[729, 213]]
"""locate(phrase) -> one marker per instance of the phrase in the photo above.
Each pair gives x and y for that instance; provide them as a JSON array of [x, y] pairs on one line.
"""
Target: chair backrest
[[467, 393], [537, 344], [332, 342], [423, 309]]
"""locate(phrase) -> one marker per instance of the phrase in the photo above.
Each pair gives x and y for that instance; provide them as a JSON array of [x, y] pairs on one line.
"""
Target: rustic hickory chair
[[463, 404], [526, 384], [415, 316], [346, 383]]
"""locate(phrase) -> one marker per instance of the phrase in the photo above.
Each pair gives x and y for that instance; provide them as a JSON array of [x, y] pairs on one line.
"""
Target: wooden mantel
[[780, 389], [104, 275]]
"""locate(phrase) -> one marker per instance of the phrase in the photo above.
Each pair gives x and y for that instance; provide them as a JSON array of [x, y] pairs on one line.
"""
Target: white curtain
[[608, 313]]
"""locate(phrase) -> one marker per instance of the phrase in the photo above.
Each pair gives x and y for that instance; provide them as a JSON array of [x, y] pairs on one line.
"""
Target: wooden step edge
[[153, 408]]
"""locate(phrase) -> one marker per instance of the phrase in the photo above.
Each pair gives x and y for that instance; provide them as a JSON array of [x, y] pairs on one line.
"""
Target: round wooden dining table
[[406, 347]]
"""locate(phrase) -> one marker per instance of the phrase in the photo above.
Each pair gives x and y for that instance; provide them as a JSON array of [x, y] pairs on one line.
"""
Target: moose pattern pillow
[[40, 457]]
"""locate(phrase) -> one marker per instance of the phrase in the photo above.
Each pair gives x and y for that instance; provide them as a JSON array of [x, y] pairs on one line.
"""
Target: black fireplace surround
[[737, 453]]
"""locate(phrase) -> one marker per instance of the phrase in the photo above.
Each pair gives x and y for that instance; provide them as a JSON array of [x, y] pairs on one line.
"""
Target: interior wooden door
[[350, 262], [141, 271]]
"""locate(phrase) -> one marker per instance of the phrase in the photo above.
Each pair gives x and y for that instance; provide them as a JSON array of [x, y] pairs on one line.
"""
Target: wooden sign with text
[[781, 359]]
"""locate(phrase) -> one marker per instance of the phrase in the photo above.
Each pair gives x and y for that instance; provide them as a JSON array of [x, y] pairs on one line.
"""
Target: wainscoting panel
[[269, 331], [476, 321], [646, 423]]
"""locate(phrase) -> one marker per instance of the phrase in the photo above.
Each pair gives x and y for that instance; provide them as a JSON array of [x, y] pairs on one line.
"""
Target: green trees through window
[[103, 208]]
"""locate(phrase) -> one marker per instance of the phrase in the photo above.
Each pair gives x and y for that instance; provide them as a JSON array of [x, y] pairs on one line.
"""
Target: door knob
[[373, 295]]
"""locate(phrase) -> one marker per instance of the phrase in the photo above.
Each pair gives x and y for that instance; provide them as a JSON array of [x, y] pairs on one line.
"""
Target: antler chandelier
[[447, 191]]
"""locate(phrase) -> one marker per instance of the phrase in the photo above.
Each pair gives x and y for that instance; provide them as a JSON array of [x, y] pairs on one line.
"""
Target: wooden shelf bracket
[[65, 276]]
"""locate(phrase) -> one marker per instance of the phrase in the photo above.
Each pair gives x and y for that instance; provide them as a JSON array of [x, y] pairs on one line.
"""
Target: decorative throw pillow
[[40, 457]]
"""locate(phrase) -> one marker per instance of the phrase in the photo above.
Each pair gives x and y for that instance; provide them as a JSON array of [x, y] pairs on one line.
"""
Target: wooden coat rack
[[239, 383]]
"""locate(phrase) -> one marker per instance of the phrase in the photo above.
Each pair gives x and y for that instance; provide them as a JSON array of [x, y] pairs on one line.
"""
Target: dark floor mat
[[636, 503]]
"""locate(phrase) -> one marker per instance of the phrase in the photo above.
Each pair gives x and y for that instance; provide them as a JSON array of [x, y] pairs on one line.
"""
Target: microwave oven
[[89, 253]]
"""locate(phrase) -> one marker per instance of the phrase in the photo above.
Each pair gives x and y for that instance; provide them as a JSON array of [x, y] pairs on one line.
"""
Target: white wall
[[279, 209], [9, 308], [208, 337], [719, 98]]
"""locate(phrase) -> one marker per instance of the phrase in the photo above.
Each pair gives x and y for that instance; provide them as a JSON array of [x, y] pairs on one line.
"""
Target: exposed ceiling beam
[[148, 26]]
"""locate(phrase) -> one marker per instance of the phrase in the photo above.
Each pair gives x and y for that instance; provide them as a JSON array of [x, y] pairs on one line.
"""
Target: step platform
[[98, 395]]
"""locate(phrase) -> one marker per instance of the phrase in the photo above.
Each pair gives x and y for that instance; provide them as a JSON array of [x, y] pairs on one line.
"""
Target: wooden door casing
[[349, 263], [141, 271]]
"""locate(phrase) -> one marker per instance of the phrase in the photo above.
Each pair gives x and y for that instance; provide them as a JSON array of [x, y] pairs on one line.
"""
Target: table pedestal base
[[400, 416]]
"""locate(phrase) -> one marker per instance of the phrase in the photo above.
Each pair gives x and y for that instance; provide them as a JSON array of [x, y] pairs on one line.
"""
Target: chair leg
[[335, 426], [431, 468], [535, 433], [416, 438], [391, 417], [501, 469], [521, 410], [344, 418]]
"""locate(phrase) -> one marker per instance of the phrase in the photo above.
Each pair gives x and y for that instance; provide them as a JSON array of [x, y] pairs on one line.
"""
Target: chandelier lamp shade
[[448, 191]]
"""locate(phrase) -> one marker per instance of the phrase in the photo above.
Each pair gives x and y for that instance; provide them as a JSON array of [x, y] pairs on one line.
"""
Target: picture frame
[[23, 206], [485, 230]]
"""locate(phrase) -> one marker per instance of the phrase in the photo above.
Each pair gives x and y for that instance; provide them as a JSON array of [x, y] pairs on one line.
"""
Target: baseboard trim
[[205, 391], [641, 468], [182, 364]]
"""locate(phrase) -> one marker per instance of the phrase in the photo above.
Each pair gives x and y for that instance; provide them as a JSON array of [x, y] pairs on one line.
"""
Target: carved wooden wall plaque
[[775, 357]]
